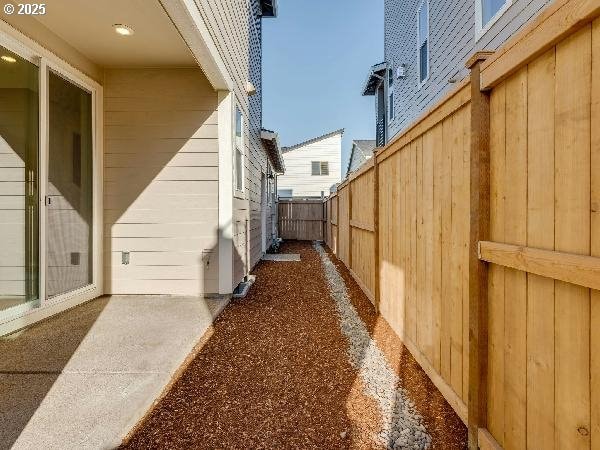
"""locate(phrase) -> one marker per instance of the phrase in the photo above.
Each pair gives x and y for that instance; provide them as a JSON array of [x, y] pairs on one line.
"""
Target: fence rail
[[476, 234], [302, 220]]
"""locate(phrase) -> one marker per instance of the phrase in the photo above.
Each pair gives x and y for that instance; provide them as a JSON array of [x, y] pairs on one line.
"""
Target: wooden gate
[[303, 220]]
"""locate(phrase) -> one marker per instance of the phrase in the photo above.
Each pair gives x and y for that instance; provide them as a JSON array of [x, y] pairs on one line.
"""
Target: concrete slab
[[84, 378], [281, 257]]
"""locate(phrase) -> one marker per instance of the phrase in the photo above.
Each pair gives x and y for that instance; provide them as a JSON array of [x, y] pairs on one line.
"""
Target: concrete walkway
[[83, 379]]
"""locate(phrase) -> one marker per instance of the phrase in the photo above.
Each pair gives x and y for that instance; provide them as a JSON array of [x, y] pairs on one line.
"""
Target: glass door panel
[[19, 205], [69, 201]]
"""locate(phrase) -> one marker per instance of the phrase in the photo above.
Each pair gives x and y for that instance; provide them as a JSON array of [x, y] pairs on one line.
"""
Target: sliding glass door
[[69, 191], [19, 200], [47, 197]]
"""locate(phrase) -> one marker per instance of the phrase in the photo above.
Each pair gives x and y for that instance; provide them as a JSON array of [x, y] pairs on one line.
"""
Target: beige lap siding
[[160, 182]]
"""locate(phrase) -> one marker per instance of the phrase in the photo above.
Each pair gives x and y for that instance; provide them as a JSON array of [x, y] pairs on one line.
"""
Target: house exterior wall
[[298, 175], [160, 182], [357, 159], [452, 40], [235, 27]]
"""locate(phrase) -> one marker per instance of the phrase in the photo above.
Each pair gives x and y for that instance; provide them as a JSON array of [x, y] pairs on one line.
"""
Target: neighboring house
[[362, 151], [312, 167], [132, 155], [427, 43]]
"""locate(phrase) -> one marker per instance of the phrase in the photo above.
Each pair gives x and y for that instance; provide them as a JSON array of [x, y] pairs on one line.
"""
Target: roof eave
[[312, 140], [370, 85], [271, 142], [268, 8]]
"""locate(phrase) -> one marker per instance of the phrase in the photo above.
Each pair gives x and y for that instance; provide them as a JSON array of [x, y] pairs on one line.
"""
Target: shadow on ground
[[83, 378], [33, 359]]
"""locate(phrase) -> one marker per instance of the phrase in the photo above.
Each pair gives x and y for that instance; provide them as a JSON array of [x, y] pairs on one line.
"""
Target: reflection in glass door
[[69, 200], [19, 206]]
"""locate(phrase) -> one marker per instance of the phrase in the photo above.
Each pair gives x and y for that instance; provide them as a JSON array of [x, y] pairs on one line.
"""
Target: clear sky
[[316, 57]]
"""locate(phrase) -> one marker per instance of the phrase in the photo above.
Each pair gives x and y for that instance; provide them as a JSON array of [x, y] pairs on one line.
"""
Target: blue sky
[[316, 57]]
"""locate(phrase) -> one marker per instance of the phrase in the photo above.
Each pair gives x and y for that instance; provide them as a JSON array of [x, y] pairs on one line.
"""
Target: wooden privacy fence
[[476, 233], [303, 220]]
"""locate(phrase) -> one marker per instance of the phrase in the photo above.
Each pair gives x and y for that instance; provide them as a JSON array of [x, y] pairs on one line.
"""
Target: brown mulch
[[273, 373]]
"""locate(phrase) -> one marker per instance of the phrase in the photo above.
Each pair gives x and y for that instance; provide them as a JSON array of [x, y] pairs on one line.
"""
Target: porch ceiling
[[87, 25]]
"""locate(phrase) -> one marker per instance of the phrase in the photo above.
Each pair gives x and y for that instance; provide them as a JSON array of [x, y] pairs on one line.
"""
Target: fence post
[[479, 231], [337, 223], [350, 225], [323, 216], [376, 294]]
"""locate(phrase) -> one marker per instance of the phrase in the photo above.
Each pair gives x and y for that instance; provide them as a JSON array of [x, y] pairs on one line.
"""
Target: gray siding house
[[427, 43], [362, 151]]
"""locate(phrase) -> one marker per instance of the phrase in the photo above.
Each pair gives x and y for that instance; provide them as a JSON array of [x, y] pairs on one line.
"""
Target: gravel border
[[402, 426]]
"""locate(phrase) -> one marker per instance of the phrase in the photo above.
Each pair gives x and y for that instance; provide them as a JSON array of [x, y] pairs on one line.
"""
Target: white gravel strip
[[402, 426]]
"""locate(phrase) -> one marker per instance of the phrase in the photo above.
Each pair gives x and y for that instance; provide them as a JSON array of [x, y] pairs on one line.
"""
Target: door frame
[[46, 61]]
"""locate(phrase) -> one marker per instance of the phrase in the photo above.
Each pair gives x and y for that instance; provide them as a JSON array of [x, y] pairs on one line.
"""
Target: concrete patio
[[86, 376]]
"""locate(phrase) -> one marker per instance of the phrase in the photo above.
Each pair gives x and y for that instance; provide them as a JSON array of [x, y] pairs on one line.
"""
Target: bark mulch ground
[[273, 373]]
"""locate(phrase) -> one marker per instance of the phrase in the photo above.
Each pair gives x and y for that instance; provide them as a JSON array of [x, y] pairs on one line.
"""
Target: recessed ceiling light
[[9, 59], [123, 30]]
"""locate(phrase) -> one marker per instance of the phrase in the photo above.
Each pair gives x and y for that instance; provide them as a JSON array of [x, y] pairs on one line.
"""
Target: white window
[[319, 168], [423, 40], [285, 193], [487, 12], [238, 166]]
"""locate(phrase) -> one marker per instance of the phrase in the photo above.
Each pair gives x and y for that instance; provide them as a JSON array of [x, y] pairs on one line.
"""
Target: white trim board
[[191, 26], [225, 232]]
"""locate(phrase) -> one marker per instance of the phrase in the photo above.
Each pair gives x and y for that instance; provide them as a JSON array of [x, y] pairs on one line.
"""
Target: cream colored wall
[[235, 27], [161, 182]]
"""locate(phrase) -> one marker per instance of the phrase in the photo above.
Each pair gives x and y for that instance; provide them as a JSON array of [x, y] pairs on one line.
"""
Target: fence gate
[[303, 220]]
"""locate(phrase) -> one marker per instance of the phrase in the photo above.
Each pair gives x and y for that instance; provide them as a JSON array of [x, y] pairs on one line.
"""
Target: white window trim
[[225, 236], [421, 83], [480, 30], [237, 192]]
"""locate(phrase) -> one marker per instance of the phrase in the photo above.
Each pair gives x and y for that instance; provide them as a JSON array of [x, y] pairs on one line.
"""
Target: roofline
[[271, 136], [312, 140], [374, 68], [269, 8], [350, 159], [188, 21], [354, 145]]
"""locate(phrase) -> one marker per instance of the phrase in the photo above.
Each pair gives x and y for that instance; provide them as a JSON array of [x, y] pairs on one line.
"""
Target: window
[[238, 167], [320, 167], [487, 12], [270, 186], [391, 93], [423, 40], [285, 193]]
